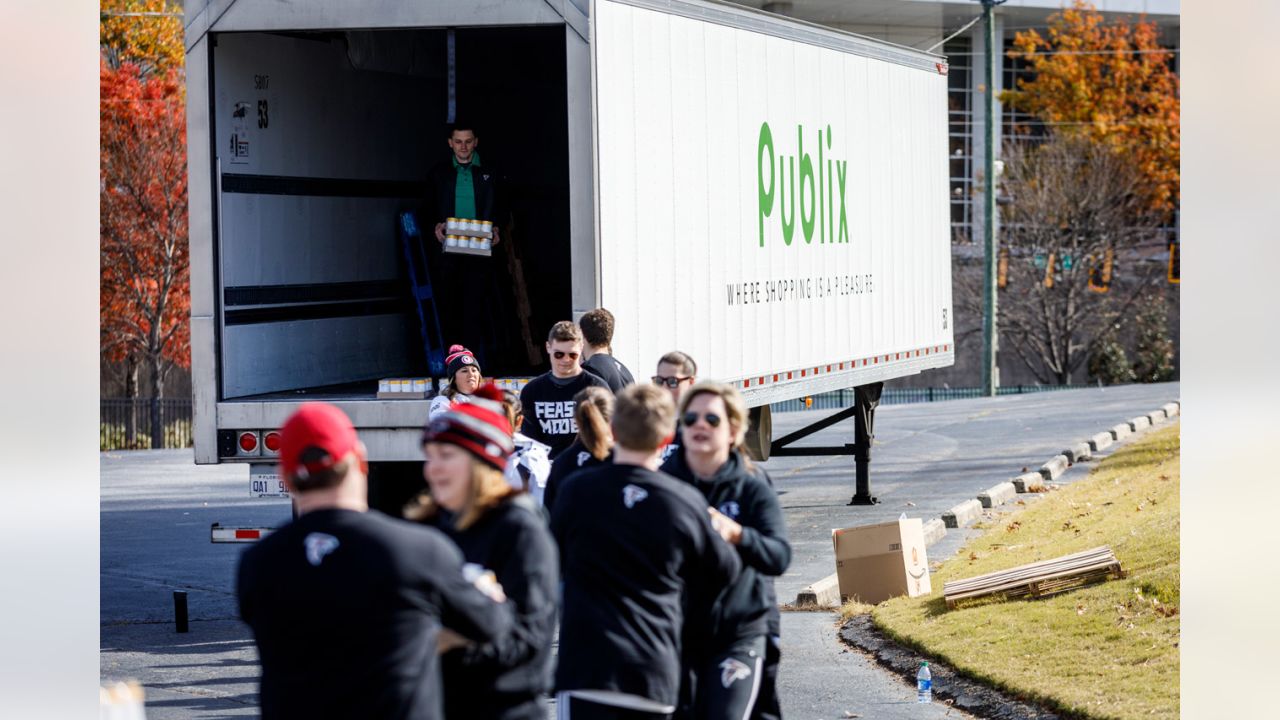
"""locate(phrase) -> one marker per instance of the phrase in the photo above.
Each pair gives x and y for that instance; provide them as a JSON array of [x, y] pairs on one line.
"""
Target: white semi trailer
[[767, 195]]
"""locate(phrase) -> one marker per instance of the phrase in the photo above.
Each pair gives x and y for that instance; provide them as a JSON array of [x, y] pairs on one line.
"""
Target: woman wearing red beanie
[[463, 371], [499, 529]]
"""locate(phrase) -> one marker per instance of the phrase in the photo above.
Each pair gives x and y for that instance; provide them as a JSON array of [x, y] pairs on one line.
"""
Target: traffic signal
[[1175, 262], [1002, 269], [1049, 268], [1100, 275]]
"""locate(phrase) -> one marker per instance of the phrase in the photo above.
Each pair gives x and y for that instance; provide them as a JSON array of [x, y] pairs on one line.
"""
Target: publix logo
[[776, 181]]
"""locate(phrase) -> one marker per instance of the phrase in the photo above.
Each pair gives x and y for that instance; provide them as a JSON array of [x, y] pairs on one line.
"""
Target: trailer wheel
[[759, 433]]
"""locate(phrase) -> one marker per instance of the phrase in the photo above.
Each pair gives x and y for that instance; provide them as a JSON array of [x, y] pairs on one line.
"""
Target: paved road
[[156, 508]]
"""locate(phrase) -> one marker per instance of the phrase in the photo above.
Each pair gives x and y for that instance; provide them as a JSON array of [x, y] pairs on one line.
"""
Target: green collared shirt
[[464, 193]]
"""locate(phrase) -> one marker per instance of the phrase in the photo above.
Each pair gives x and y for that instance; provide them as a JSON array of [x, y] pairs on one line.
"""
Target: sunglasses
[[559, 355], [691, 418], [671, 382]]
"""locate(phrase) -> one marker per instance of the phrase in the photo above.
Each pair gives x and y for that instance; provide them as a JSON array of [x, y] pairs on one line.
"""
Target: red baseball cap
[[315, 438]]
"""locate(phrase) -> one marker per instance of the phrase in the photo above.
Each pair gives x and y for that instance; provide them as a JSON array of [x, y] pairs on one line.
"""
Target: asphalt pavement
[[157, 507]]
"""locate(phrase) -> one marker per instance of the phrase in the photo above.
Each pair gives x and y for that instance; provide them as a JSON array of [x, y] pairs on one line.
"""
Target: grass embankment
[[1104, 651]]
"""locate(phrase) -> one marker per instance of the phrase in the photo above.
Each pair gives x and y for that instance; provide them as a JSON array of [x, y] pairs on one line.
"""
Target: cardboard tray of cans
[[464, 236], [403, 388]]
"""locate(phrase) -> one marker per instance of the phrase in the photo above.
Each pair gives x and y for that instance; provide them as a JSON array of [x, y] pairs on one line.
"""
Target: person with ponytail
[[734, 658], [463, 371], [593, 411], [500, 530], [530, 463]]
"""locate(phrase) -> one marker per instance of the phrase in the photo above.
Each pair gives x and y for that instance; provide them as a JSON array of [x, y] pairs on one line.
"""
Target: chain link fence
[[840, 399], [144, 423]]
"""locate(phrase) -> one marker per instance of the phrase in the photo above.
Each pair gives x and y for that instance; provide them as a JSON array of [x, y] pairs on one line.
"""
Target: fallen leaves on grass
[[1013, 526]]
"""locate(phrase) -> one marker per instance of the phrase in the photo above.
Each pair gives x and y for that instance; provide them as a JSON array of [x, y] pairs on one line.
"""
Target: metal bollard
[[180, 609]]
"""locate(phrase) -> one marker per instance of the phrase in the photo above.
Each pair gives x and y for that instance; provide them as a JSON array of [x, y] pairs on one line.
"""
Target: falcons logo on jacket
[[633, 494], [318, 545], [732, 670]]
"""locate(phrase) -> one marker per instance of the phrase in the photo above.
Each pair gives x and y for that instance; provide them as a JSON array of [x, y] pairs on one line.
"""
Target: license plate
[[265, 481]]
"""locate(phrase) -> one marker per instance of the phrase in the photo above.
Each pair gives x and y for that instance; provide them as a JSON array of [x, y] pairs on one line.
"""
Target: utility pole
[[990, 372]]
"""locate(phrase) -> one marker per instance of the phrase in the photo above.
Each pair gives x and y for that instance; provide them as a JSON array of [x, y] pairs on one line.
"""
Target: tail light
[[271, 443], [247, 444]]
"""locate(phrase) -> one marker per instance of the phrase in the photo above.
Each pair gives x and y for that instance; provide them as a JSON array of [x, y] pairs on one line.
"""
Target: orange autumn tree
[[145, 281], [1111, 82], [147, 33]]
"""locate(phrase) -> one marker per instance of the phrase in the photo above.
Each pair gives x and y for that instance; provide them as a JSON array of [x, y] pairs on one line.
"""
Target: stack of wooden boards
[[1039, 578]]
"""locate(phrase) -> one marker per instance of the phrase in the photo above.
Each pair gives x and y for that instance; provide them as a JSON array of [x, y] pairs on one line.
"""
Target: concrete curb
[[824, 593], [1142, 422], [1057, 465], [1101, 442], [1121, 431], [1028, 482], [934, 530], [1078, 452], [997, 495], [1170, 409], [962, 514]]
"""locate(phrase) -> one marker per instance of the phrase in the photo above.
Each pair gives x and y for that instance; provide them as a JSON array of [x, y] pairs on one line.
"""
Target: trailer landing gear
[[863, 412], [866, 399]]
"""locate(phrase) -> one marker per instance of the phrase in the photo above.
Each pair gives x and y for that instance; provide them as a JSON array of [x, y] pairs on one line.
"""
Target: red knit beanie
[[478, 426], [458, 358]]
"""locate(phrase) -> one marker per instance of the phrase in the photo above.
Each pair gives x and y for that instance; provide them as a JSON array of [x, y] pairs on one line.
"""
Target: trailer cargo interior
[[323, 138]]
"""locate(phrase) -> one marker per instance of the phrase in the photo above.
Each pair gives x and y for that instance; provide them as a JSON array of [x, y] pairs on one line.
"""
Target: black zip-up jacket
[[508, 678], [750, 606], [574, 458], [632, 541], [346, 608]]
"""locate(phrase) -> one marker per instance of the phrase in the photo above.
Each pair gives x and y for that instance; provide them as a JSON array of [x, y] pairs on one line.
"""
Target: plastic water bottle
[[924, 684]]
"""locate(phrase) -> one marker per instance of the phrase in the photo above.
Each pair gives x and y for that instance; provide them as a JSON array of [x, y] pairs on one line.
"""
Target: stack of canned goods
[[464, 235]]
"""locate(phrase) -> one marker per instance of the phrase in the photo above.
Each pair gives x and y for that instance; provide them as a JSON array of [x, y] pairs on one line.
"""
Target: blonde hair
[[565, 331], [735, 408], [643, 417], [593, 413], [680, 360], [489, 489]]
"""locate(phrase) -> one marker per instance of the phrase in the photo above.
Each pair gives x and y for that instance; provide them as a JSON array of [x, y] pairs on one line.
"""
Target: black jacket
[[346, 607], [442, 191], [611, 370], [632, 541], [749, 607], [507, 678], [574, 458], [548, 409]]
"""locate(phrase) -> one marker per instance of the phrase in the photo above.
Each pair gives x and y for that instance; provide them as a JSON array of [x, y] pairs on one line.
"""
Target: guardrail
[[144, 423], [840, 399]]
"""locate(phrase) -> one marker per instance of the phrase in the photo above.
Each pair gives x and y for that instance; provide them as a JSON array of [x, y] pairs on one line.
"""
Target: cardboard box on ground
[[877, 562]]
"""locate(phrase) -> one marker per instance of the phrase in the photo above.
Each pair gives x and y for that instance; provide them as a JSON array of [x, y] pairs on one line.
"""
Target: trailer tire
[[759, 437]]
